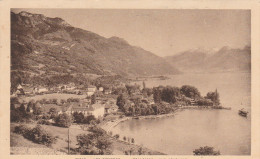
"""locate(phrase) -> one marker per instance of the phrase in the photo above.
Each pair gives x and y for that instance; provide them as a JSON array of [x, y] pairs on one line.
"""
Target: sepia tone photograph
[[130, 82]]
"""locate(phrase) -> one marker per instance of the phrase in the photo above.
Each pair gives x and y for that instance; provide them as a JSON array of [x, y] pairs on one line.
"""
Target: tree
[[141, 151], [37, 109], [63, 120], [144, 86], [206, 151], [147, 91], [96, 142], [214, 97], [103, 143], [132, 88], [30, 106], [16, 116], [14, 100], [16, 79], [121, 101], [93, 99], [12, 107], [22, 108], [78, 117], [156, 95], [190, 91], [133, 140], [88, 119], [53, 112], [170, 94]]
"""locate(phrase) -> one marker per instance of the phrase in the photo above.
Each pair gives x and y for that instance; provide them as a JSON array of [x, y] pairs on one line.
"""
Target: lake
[[224, 130]]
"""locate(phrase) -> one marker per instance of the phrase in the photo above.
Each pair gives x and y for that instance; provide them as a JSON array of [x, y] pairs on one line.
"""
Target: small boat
[[242, 112]]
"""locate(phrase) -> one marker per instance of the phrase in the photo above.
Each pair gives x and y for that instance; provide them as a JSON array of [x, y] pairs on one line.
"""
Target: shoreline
[[109, 125]]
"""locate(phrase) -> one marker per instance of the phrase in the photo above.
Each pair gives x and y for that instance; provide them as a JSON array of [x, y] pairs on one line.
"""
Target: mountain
[[43, 46], [225, 59]]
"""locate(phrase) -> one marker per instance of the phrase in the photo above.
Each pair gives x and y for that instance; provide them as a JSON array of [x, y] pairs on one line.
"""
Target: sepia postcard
[[130, 79]]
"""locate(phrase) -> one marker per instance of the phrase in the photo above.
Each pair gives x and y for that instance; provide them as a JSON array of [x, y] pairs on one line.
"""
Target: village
[[77, 107], [69, 99]]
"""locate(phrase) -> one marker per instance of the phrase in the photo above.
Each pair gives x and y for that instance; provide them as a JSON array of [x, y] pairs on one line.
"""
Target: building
[[40, 90], [91, 90], [28, 90], [100, 89], [96, 109], [107, 91], [193, 102]]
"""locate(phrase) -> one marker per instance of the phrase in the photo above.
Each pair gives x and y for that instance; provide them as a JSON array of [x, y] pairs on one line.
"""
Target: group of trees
[[130, 140], [137, 107], [81, 119], [63, 120], [173, 95], [97, 142], [22, 113], [214, 97], [130, 105]]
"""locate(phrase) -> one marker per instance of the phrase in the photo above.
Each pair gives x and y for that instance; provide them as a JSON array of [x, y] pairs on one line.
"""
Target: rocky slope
[[49, 46]]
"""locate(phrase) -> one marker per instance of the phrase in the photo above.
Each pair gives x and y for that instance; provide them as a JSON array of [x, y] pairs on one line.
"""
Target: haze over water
[[225, 130]]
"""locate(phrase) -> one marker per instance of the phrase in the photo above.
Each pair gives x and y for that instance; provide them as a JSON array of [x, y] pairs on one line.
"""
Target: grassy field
[[61, 133], [20, 145]]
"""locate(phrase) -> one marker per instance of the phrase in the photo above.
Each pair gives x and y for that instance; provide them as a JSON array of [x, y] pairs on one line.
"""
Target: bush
[[20, 129], [73, 100], [204, 102], [63, 120], [97, 131], [44, 122], [36, 134], [16, 116], [206, 151], [40, 136]]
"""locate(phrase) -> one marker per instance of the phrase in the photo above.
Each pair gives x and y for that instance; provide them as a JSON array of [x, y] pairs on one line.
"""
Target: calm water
[[225, 130]]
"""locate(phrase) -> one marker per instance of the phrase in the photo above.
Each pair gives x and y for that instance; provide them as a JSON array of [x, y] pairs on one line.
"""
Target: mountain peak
[[224, 59]]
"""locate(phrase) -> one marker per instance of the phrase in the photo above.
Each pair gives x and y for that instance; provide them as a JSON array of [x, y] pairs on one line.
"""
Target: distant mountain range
[[49, 46], [225, 59]]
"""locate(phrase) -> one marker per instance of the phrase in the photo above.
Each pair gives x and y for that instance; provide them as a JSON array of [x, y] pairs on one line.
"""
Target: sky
[[164, 32]]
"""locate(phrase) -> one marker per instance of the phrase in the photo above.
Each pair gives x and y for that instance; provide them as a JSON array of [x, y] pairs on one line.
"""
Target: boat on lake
[[242, 112]]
